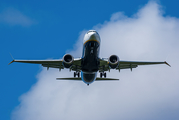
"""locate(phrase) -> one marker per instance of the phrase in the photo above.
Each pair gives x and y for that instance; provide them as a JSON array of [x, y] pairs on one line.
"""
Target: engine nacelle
[[67, 60], [113, 61]]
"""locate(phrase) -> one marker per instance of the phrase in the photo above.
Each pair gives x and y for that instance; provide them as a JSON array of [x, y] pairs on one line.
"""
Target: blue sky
[[47, 30]]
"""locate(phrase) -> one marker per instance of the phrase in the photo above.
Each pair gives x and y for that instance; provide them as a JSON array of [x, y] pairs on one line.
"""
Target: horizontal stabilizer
[[101, 79], [97, 79], [73, 78]]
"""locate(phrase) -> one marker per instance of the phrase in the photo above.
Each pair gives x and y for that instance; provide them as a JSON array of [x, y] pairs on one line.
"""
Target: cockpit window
[[93, 44], [91, 31]]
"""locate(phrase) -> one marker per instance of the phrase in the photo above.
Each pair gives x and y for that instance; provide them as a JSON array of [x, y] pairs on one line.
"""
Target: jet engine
[[113, 61], [67, 60]]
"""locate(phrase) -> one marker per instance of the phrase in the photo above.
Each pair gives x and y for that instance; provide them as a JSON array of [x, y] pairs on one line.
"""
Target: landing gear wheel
[[74, 74], [78, 74], [105, 75], [101, 75]]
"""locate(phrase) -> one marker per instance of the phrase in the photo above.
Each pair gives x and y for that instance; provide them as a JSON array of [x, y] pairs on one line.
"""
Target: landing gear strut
[[102, 74], [77, 73]]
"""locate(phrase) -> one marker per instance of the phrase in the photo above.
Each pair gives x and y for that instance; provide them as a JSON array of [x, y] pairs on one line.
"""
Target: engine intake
[[113, 61], [67, 60]]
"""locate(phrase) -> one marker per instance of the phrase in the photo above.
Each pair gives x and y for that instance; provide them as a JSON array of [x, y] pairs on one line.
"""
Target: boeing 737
[[90, 63]]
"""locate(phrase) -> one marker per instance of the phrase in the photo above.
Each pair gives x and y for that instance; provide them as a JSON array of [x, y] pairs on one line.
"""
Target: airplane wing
[[53, 63], [104, 66]]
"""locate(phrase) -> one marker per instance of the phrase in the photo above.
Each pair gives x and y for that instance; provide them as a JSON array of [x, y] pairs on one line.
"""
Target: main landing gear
[[77, 74], [102, 74]]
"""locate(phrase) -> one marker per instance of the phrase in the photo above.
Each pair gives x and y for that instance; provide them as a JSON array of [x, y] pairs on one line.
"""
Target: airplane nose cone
[[93, 36]]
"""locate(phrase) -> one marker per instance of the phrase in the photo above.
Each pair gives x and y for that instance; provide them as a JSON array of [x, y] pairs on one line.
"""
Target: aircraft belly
[[90, 57]]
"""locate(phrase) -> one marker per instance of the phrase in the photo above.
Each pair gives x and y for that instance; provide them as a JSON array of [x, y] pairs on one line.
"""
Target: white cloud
[[13, 17], [149, 92]]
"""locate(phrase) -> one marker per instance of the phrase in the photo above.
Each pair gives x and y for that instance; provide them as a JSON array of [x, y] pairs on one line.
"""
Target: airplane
[[90, 63]]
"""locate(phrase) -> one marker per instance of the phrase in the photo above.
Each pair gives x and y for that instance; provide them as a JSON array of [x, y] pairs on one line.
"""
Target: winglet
[[167, 64], [12, 60]]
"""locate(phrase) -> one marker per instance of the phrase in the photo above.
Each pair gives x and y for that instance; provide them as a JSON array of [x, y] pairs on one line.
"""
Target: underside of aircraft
[[90, 63]]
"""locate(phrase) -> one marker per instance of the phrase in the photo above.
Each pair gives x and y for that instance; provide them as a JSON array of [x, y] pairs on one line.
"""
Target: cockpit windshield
[[92, 31]]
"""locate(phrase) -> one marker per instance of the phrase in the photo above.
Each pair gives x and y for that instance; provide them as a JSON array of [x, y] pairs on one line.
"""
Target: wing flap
[[127, 66], [53, 65]]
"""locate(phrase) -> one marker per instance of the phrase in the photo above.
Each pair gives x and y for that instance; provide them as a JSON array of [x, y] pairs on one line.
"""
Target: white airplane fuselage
[[90, 56]]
